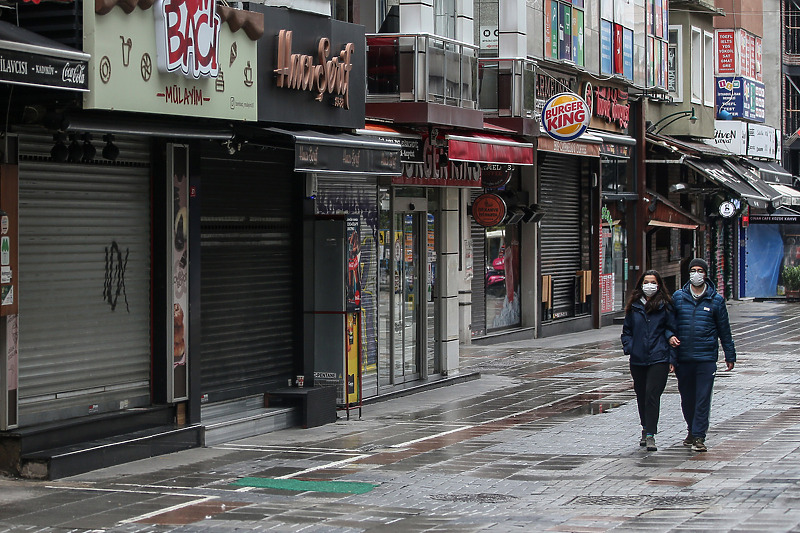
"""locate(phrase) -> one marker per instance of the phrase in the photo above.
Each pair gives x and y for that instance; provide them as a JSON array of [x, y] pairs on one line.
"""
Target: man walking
[[702, 319]]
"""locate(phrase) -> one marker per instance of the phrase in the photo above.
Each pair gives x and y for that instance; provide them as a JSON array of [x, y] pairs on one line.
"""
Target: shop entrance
[[405, 275]]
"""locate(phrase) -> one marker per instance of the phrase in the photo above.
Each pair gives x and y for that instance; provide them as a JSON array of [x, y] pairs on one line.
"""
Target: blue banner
[[741, 97]]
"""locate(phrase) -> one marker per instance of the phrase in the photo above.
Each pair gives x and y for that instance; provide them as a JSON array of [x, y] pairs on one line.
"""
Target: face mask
[[697, 278], [649, 289]]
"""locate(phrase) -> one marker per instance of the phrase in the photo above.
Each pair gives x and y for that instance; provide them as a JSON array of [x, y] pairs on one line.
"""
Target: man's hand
[[674, 341], [730, 365]]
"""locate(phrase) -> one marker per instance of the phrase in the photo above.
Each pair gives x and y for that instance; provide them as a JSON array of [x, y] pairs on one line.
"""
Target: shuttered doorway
[[560, 231], [247, 274], [84, 281], [478, 283]]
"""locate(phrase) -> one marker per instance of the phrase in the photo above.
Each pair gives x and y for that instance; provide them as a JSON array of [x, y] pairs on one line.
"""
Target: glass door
[[404, 295]]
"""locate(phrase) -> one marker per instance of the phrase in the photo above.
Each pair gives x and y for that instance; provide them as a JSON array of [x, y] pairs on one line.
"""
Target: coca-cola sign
[[43, 70]]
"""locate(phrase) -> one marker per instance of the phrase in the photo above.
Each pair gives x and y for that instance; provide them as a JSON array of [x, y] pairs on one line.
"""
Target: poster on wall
[[548, 29], [658, 26], [665, 18], [726, 52], [9, 415], [353, 282], [577, 37], [179, 273], [606, 47], [627, 53], [565, 31], [618, 62]]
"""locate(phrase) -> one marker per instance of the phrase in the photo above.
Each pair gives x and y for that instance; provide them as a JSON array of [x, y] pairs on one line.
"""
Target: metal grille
[[84, 283], [248, 273], [479, 272], [559, 177]]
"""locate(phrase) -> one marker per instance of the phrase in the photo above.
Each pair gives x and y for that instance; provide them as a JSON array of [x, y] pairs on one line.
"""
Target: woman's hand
[[674, 341], [672, 368]]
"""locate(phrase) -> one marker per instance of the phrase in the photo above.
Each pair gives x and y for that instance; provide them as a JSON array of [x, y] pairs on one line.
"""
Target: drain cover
[[476, 498], [668, 502]]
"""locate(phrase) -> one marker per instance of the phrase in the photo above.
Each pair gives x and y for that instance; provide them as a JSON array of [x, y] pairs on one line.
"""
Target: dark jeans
[[695, 383], [649, 382]]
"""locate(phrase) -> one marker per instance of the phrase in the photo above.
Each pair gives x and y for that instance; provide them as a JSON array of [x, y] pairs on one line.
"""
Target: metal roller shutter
[[247, 275], [478, 286], [559, 178], [82, 348], [359, 195]]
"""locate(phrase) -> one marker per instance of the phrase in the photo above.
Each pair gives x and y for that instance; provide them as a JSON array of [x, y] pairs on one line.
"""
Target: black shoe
[[651, 443], [688, 441], [699, 445], [642, 441]]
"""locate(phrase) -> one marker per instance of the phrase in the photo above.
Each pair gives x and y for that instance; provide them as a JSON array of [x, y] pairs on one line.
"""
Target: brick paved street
[[545, 440]]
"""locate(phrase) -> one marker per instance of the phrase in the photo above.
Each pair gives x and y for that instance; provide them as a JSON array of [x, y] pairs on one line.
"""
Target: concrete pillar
[[416, 16], [513, 29], [465, 21], [450, 279]]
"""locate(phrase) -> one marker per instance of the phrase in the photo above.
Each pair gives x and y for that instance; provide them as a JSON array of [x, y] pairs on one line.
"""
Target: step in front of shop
[[245, 417], [64, 461]]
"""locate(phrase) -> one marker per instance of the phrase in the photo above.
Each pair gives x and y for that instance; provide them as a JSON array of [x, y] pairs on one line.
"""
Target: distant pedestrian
[[702, 321], [649, 323]]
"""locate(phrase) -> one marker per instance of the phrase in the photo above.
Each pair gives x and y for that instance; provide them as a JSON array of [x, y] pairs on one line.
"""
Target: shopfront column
[[450, 278]]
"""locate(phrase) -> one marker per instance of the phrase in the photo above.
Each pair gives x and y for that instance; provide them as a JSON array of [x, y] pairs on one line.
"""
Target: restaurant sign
[[44, 70], [435, 170], [565, 117]]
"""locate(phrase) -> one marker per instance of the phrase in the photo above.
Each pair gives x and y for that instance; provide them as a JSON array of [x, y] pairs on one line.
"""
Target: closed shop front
[[84, 281], [248, 277]]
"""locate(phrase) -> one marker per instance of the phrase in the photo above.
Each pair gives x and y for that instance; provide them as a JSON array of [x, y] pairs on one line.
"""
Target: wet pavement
[[546, 440]]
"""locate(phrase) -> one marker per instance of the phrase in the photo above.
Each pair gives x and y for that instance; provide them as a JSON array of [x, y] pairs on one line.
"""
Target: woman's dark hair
[[661, 297]]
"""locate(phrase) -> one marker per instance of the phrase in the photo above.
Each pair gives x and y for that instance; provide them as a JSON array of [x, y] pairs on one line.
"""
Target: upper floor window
[[675, 63], [697, 65], [616, 37], [444, 21]]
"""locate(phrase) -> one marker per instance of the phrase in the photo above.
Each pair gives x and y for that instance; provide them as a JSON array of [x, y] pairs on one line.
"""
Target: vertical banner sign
[[627, 53], [353, 263], [726, 52], [577, 39], [548, 29], [759, 53], [9, 274], [665, 18], [606, 46], [178, 254], [618, 61], [9, 416], [565, 31], [659, 21], [555, 29]]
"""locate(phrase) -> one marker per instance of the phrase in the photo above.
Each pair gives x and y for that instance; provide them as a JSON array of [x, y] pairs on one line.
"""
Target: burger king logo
[[565, 117]]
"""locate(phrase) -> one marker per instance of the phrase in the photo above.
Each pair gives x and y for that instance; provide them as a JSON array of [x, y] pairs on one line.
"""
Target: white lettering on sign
[[187, 37], [74, 73]]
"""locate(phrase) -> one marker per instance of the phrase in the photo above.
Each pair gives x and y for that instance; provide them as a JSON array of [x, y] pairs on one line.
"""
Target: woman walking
[[649, 324]]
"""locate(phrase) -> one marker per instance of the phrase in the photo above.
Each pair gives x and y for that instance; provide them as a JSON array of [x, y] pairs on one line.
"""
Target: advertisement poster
[[658, 26], [9, 417], [759, 55], [618, 66], [180, 272], [627, 53], [726, 52], [606, 46], [548, 29], [665, 18], [565, 31], [664, 58], [651, 57], [577, 36], [740, 97], [742, 46], [353, 263]]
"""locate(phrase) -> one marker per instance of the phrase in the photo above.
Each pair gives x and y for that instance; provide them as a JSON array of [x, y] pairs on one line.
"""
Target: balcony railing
[[421, 68], [507, 87]]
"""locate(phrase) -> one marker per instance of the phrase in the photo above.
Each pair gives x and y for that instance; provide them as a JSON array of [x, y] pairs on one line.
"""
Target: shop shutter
[[478, 325], [84, 281], [248, 271], [359, 194], [559, 178]]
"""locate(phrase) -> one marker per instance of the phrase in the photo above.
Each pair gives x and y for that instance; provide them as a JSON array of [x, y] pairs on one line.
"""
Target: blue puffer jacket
[[645, 337], [700, 323]]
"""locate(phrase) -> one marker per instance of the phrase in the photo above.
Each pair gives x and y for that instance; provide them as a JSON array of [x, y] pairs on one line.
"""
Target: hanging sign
[[494, 176], [565, 117], [489, 210]]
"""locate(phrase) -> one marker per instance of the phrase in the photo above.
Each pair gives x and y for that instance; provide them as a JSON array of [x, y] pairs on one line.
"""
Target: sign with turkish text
[[42, 70], [173, 59], [494, 176], [741, 97], [611, 105], [730, 135], [565, 117], [726, 52], [489, 210], [606, 47], [435, 170], [311, 70], [760, 141]]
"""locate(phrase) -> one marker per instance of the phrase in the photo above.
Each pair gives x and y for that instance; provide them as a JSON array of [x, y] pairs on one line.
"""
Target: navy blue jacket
[[645, 336], [700, 323]]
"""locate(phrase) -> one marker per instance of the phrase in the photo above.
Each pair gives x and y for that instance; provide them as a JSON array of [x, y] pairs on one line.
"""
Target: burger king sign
[[565, 117]]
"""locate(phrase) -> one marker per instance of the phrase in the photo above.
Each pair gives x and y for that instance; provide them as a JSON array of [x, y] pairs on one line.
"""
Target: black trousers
[[649, 382]]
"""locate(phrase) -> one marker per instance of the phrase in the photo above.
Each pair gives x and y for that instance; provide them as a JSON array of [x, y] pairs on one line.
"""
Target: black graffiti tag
[[115, 276]]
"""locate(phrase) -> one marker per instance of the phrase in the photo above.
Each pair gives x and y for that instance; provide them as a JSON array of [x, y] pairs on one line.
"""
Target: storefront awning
[[341, 153], [32, 60], [772, 171], [488, 148], [665, 214], [790, 196], [410, 142], [720, 175]]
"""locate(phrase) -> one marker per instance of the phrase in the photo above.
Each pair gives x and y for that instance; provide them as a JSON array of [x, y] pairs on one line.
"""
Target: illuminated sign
[[565, 117]]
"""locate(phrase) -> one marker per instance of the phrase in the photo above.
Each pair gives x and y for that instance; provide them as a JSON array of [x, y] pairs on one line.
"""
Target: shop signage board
[[773, 219], [195, 59], [565, 117], [311, 70], [43, 70], [741, 97], [611, 105], [489, 210], [730, 135], [726, 52], [760, 141], [435, 170]]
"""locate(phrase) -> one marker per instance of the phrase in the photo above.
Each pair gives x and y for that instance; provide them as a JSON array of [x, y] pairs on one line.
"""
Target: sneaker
[[651, 443], [699, 445], [689, 440], [643, 442]]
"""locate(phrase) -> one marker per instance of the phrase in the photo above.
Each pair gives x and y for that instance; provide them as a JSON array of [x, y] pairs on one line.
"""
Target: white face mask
[[697, 278], [649, 289]]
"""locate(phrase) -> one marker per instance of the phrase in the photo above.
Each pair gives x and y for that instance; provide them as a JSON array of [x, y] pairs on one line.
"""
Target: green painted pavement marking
[[351, 487]]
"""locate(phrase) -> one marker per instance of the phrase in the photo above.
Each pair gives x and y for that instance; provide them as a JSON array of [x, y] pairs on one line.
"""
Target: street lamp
[[674, 116]]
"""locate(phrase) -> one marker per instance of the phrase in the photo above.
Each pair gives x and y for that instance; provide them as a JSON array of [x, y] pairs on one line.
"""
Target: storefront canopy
[[772, 171], [341, 153], [665, 214], [32, 60], [488, 148], [790, 196], [720, 175]]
